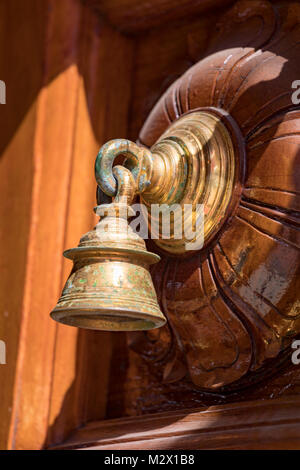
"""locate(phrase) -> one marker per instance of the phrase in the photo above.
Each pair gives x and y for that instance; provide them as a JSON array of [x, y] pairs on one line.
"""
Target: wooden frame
[[270, 424]]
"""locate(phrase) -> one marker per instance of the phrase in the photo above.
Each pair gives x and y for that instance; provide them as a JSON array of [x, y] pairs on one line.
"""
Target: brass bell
[[192, 165], [110, 286]]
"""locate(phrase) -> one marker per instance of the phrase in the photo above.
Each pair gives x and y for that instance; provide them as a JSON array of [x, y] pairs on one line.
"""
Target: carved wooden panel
[[234, 309], [74, 95]]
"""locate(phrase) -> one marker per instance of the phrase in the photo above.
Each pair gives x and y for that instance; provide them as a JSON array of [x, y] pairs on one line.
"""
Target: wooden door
[[77, 74]]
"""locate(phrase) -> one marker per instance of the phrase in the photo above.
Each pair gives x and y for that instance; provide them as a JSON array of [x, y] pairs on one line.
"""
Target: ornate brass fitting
[[192, 164]]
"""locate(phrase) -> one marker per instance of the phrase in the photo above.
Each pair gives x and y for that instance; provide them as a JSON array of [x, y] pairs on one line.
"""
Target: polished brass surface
[[192, 164], [191, 168], [110, 287]]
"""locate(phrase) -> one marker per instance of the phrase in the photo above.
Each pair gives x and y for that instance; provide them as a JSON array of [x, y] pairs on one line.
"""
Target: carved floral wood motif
[[233, 309]]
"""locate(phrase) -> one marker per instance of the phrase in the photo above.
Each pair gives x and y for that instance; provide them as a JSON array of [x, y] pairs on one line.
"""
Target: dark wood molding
[[263, 424], [136, 16]]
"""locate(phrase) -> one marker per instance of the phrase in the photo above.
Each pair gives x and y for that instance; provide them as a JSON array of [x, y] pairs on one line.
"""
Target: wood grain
[[80, 379], [54, 380], [17, 124], [235, 306], [46, 238], [83, 82], [273, 424]]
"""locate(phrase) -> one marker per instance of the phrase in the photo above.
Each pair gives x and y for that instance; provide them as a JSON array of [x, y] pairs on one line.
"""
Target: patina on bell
[[110, 286]]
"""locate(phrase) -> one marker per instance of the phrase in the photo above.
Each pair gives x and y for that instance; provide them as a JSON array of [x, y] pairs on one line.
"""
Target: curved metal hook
[[126, 185], [138, 160]]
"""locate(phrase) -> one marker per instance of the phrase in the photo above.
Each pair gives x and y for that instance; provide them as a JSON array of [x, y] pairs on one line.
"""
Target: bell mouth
[[108, 320]]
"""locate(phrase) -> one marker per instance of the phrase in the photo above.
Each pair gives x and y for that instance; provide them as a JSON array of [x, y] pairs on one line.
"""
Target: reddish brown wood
[[83, 82], [80, 378], [236, 305], [135, 16], [52, 379], [17, 124], [272, 424], [33, 382]]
